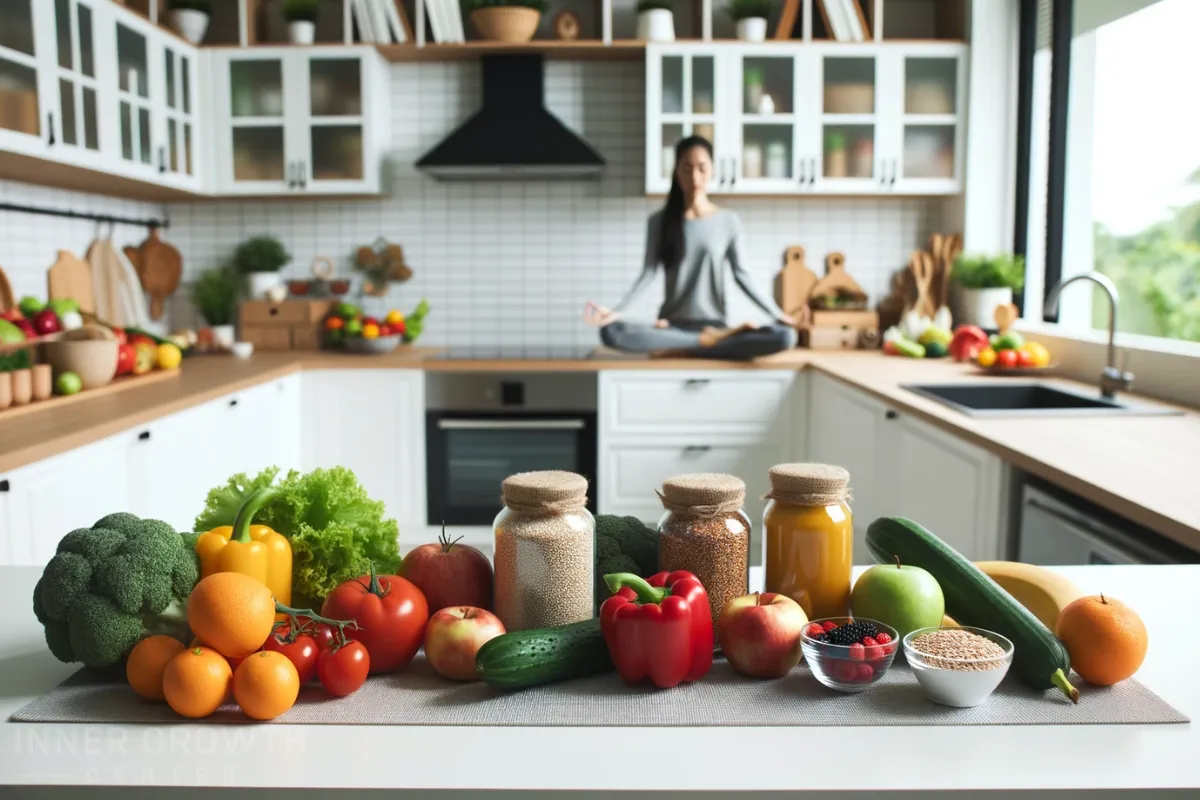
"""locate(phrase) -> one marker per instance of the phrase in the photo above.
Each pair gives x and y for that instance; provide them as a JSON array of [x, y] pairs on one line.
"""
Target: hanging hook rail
[[110, 218]]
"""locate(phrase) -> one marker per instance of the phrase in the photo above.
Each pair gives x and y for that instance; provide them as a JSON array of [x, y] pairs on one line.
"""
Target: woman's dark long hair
[[670, 241]]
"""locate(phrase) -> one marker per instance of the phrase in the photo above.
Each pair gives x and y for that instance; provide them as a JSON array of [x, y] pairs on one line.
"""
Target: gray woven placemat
[[417, 696]]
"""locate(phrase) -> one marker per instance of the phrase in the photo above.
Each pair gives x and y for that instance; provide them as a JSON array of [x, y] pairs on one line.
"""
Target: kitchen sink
[[1029, 399]]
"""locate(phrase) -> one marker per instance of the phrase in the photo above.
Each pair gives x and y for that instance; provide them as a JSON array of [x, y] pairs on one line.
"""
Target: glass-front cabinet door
[[26, 75], [929, 83], [772, 107], [334, 131], [846, 153], [78, 89], [134, 100], [252, 104], [178, 157], [683, 98]]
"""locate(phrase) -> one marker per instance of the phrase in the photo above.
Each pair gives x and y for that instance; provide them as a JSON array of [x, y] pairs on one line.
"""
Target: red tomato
[[120, 334], [1006, 359], [390, 614], [1024, 359], [301, 650], [125, 358], [344, 669], [889, 348], [323, 635]]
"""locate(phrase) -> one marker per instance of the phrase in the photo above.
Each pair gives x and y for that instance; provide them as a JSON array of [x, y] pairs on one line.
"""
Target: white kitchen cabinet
[[82, 76], [900, 466], [264, 424], [180, 157], [299, 120], [27, 76], [48, 499], [370, 421], [820, 118]]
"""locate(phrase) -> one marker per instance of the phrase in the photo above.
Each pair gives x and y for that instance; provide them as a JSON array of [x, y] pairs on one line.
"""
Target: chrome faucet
[[1113, 378]]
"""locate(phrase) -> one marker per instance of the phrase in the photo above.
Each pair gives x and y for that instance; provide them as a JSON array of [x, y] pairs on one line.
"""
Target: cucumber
[[544, 655], [974, 599]]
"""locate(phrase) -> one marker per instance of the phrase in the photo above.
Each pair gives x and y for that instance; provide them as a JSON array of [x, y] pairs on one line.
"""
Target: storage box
[[842, 330], [290, 325]]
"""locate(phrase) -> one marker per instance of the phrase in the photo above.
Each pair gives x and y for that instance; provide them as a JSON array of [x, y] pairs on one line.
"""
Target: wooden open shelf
[[118, 385], [624, 50]]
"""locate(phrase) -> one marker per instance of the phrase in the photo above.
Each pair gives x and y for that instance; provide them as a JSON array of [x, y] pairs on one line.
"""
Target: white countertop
[[1130, 757]]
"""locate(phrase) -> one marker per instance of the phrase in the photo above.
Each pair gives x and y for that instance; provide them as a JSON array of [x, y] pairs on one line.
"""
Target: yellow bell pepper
[[254, 550]]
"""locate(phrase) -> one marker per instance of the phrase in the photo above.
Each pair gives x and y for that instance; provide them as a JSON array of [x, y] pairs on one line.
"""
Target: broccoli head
[[623, 544], [109, 585]]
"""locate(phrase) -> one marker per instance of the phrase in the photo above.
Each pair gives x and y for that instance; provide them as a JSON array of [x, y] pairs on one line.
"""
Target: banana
[[1043, 592]]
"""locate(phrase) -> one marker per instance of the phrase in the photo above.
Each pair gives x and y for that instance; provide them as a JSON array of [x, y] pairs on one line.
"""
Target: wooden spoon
[[922, 269], [1005, 316]]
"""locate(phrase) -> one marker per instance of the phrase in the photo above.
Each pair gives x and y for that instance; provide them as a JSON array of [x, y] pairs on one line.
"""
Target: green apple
[[30, 306], [353, 328], [68, 383], [900, 595], [347, 311]]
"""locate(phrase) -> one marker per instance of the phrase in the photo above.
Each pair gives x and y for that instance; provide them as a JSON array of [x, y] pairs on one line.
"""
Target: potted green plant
[[215, 296], [985, 282], [190, 19], [656, 21], [751, 18], [511, 21], [301, 16], [260, 259]]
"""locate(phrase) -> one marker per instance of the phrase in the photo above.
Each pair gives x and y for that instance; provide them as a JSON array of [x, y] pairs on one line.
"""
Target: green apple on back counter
[[900, 595]]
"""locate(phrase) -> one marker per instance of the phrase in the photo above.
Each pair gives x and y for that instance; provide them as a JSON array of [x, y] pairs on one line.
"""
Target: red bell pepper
[[658, 628]]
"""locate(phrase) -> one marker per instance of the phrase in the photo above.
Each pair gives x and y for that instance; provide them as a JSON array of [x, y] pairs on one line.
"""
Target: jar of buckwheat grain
[[705, 531], [544, 558]]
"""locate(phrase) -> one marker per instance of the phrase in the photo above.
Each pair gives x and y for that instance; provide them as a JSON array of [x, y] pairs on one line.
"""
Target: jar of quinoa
[[705, 531], [544, 558]]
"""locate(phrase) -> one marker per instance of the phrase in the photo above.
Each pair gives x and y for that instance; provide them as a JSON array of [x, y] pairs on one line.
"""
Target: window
[[1110, 161]]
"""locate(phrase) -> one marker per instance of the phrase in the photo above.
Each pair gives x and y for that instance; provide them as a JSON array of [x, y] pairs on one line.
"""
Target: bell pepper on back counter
[[254, 550], [658, 628]]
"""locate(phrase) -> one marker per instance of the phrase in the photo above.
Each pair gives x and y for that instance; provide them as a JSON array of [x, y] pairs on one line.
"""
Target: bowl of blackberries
[[848, 654]]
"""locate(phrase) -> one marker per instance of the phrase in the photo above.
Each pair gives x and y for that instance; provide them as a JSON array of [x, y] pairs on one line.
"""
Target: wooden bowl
[[93, 360]]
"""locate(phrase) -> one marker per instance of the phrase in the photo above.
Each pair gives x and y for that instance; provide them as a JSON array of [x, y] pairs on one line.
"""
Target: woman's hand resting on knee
[[598, 315]]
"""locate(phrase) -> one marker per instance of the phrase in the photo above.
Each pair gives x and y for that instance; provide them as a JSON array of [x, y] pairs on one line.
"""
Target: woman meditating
[[692, 239]]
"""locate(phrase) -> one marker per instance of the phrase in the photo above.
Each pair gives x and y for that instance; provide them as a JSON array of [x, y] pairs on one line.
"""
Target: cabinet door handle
[[895, 169], [812, 173], [733, 172], [5, 486], [802, 171], [696, 382], [891, 414], [50, 128], [144, 436], [291, 175], [302, 169], [697, 448], [233, 402], [162, 159]]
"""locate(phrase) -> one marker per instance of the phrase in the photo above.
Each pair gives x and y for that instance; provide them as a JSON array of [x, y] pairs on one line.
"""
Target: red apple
[[26, 328], [760, 634], [46, 322], [454, 635], [120, 334], [450, 574]]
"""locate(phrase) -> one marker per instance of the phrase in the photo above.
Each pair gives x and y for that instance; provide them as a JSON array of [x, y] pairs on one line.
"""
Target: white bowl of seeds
[[958, 666]]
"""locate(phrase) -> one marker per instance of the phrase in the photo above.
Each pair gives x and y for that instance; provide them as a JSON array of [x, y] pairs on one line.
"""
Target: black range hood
[[512, 136]]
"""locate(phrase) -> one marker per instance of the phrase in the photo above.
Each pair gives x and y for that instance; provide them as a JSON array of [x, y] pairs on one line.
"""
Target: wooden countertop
[[1141, 467]]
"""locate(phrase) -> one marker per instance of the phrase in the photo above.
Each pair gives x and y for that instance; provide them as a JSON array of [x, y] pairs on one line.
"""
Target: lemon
[[1037, 352], [986, 357], [939, 335], [169, 356]]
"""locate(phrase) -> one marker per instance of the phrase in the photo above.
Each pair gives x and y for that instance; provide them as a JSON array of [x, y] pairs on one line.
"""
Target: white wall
[[507, 263]]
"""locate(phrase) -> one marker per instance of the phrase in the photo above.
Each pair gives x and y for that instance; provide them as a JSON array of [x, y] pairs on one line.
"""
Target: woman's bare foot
[[713, 336]]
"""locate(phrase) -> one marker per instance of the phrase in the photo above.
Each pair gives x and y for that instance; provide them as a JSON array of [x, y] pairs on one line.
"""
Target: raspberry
[[870, 641], [845, 671], [863, 672], [875, 652], [882, 638], [857, 652], [814, 630], [829, 626]]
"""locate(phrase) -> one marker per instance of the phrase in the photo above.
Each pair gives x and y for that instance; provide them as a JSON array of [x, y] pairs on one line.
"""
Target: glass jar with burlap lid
[[705, 531], [545, 545], [809, 532]]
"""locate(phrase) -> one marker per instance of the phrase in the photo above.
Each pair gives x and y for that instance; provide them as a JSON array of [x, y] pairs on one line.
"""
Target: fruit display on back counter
[[347, 321]]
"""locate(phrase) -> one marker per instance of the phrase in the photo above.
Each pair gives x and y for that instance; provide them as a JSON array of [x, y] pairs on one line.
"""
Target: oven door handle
[[510, 424]]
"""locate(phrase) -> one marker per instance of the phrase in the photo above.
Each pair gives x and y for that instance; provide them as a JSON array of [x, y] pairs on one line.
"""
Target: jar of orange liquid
[[809, 534]]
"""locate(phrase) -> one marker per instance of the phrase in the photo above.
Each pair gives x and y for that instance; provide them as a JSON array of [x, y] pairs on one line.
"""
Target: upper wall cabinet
[[299, 121], [26, 76], [811, 118]]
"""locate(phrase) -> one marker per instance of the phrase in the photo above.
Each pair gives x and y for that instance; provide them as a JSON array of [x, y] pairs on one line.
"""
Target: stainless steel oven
[[481, 428]]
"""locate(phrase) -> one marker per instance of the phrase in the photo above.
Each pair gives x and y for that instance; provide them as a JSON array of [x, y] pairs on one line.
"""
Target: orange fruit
[[232, 612], [147, 662], [266, 684], [1105, 639], [196, 682], [198, 642]]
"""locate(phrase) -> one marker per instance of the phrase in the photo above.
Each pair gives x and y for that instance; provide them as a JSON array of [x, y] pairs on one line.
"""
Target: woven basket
[[506, 23]]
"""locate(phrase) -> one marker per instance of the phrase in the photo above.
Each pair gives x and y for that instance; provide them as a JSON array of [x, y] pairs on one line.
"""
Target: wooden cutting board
[[795, 281], [7, 300], [159, 267], [71, 277]]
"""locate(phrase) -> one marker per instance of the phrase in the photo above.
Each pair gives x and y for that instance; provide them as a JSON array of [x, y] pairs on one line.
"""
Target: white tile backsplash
[[507, 263]]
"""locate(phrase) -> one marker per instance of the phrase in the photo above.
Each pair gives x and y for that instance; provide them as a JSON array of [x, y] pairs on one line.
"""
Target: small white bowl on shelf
[[242, 349]]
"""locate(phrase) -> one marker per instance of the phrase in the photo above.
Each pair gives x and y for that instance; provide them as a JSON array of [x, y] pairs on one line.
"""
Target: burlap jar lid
[[809, 484], [703, 493], [545, 491]]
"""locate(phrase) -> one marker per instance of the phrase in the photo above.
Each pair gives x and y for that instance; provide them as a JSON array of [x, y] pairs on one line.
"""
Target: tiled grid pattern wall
[[513, 263]]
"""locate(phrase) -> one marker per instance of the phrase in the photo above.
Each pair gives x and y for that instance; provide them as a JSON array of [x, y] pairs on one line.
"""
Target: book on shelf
[[854, 10], [397, 20], [830, 16], [379, 22], [787, 20], [362, 21], [438, 24]]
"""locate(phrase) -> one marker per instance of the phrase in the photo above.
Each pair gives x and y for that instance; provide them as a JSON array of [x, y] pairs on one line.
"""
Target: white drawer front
[[726, 402]]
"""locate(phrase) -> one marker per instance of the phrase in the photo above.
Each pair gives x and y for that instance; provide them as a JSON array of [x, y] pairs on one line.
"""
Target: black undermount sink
[[1028, 399]]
